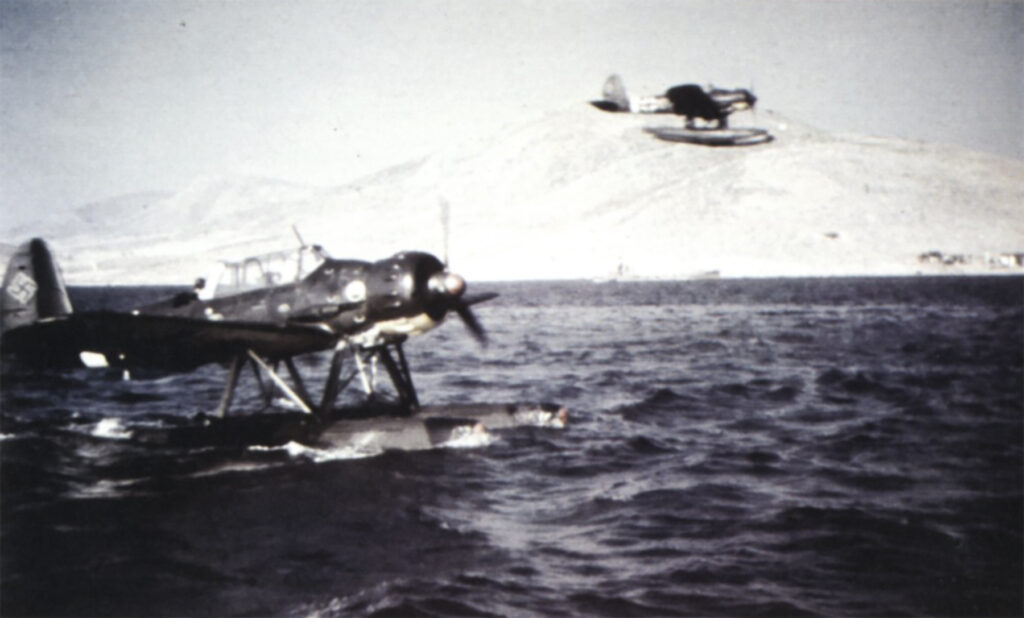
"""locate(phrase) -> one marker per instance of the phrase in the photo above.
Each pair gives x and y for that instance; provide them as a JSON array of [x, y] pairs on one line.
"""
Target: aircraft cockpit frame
[[271, 269]]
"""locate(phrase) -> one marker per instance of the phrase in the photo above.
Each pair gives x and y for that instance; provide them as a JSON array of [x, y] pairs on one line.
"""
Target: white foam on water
[[334, 607], [233, 467], [320, 455], [103, 488], [366, 441], [541, 418], [466, 436], [111, 428]]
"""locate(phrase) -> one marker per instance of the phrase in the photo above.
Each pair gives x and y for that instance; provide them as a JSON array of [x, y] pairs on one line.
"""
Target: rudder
[[33, 288], [614, 91]]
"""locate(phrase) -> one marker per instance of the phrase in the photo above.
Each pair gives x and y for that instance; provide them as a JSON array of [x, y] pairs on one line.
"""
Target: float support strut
[[331, 386], [229, 389], [287, 390]]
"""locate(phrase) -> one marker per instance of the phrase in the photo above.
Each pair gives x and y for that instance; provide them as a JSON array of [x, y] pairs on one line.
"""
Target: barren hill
[[582, 193]]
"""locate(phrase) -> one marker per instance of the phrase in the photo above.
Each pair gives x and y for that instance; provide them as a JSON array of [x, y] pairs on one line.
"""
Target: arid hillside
[[580, 193]]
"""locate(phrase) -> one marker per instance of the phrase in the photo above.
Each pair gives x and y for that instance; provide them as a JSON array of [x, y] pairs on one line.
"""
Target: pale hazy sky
[[108, 97]]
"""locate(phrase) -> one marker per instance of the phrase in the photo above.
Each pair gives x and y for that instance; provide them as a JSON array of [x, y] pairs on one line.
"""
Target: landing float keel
[[376, 426]]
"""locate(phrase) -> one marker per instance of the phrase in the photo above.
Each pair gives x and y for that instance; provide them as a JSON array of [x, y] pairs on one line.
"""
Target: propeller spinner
[[447, 290]]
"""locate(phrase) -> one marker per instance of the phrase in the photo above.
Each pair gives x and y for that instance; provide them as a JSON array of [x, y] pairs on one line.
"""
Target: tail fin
[[614, 91], [33, 288]]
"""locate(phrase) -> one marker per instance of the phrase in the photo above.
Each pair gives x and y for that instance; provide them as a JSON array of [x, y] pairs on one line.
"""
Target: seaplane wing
[[104, 338]]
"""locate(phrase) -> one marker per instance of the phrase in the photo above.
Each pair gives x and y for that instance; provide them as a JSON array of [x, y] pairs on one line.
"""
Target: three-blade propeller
[[448, 291]]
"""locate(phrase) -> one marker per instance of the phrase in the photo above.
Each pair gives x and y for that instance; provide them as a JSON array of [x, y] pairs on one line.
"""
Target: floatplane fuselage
[[262, 313]]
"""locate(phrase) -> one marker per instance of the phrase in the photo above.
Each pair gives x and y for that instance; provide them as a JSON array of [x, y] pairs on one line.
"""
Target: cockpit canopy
[[262, 271]]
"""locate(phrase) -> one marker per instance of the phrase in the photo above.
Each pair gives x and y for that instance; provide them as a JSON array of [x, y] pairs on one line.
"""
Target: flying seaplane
[[691, 102], [262, 312]]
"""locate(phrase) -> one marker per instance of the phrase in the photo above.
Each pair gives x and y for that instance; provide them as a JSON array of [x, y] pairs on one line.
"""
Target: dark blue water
[[787, 447]]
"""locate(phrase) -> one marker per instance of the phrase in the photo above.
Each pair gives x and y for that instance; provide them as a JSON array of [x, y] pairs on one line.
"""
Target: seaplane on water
[[263, 312]]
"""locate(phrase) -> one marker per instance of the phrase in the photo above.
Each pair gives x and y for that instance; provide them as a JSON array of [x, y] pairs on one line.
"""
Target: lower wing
[[154, 341]]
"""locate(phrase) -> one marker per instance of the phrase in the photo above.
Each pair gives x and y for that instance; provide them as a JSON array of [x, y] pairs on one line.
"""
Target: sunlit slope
[[582, 193], [590, 191]]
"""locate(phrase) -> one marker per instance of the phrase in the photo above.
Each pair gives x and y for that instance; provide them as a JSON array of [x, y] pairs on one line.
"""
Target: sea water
[[762, 447]]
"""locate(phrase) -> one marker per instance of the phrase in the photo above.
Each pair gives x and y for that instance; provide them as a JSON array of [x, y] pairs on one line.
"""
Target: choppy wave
[[735, 448]]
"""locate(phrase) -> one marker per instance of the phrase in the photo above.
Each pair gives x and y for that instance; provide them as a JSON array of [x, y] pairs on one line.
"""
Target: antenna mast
[[445, 227], [302, 243]]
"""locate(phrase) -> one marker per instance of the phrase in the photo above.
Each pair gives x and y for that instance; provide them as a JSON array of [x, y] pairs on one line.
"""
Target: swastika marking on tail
[[22, 288]]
